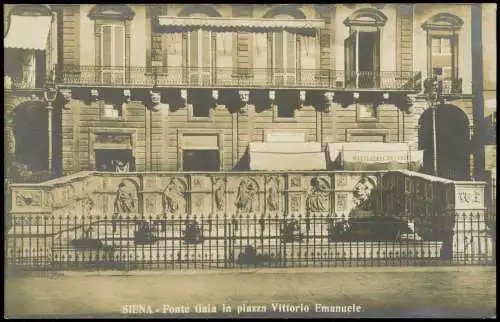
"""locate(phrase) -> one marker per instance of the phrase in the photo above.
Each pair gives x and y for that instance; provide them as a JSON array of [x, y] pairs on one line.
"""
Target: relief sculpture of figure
[[219, 194], [174, 197], [272, 195], [363, 193], [247, 196], [124, 201], [317, 200]]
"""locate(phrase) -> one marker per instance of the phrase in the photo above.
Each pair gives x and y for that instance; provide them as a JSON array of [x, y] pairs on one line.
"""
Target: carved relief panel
[[175, 196], [247, 196], [126, 197], [274, 194], [318, 195]]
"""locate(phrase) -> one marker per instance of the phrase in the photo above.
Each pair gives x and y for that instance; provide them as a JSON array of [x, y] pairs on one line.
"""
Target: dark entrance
[[201, 160], [362, 59], [452, 142], [109, 159], [31, 136]]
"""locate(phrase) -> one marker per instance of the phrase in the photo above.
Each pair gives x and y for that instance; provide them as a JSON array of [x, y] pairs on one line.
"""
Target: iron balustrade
[[220, 77], [128, 241]]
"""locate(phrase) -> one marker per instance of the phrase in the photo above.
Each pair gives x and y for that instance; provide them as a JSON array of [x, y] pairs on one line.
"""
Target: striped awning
[[240, 23], [28, 32], [286, 156]]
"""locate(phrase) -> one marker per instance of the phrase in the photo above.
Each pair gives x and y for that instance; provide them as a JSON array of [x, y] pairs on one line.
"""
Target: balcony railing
[[452, 86], [78, 75], [25, 80]]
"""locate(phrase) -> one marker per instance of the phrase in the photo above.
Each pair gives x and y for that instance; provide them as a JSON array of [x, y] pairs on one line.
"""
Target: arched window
[[362, 48], [442, 48], [112, 42]]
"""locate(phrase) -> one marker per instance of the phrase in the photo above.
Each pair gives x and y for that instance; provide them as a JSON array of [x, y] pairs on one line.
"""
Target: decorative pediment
[[289, 10], [443, 21], [31, 10], [207, 10], [366, 17], [111, 12]]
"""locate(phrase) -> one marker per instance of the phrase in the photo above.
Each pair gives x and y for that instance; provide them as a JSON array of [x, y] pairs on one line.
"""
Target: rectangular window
[[362, 59], [201, 160], [112, 54], [442, 59], [285, 58], [441, 46], [200, 58]]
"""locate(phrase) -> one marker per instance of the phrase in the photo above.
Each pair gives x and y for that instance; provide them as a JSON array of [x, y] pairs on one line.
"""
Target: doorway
[[31, 136], [452, 142], [201, 160], [362, 59]]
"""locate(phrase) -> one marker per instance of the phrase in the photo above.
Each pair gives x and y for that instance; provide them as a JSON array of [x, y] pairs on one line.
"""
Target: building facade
[[192, 87]]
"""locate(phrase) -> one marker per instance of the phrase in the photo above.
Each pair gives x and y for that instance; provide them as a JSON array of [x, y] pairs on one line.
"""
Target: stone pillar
[[418, 108]]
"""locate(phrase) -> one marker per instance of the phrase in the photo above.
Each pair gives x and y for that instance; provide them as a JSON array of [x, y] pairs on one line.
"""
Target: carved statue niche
[[126, 197], [219, 184], [174, 197], [272, 193], [247, 198], [319, 195]]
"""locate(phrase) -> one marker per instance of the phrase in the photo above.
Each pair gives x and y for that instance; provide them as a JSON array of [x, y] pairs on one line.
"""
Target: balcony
[[137, 77], [24, 80]]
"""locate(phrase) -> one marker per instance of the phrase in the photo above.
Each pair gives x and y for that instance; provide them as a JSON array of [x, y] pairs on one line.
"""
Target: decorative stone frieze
[[67, 95]]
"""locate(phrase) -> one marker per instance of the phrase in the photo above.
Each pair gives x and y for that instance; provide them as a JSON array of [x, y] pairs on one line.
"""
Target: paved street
[[389, 292]]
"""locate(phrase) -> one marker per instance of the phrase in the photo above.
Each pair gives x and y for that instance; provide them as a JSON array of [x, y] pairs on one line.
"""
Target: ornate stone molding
[[272, 98], [67, 95], [385, 98], [244, 98], [127, 96], [302, 99], [328, 101], [94, 95], [215, 98], [355, 96], [184, 97], [156, 104]]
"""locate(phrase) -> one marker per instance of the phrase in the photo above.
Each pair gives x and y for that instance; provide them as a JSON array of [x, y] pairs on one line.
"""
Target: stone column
[[418, 108]]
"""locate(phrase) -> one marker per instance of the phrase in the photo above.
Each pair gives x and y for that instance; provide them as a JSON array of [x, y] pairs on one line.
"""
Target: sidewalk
[[377, 291]]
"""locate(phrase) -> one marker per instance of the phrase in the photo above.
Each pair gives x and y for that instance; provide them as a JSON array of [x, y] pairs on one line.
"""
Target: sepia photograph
[[315, 160]]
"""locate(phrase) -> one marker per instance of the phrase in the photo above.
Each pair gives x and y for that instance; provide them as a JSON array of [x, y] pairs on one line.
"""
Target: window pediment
[[288, 10], [111, 12], [31, 10], [443, 21], [366, 17]]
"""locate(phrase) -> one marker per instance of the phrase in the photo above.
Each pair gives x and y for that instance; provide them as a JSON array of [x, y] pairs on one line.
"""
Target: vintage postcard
[[250, 160]]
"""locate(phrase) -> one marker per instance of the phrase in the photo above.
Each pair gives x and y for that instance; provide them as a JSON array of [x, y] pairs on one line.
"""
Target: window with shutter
[[442, 49], [112, 54], [200, 58], [284, 58]]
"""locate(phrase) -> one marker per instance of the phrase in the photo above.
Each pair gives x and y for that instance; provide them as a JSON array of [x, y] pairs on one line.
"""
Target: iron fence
[[222, 241], [170, 76]]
